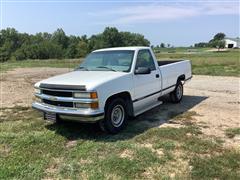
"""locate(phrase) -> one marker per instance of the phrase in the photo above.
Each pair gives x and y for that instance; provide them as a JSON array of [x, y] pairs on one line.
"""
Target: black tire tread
[[173, 95]]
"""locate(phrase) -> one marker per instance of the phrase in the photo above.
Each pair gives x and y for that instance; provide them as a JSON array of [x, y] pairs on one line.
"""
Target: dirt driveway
[[215, 101]]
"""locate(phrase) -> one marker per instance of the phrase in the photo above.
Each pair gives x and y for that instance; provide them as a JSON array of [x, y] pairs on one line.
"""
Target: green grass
[[58, 63], [209, 63], [203, 62], [223, 166], [232, 132], [33, 149], [180, 50]]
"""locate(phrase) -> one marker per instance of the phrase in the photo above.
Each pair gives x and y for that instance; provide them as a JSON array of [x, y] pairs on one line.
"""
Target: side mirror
[[142, 70]]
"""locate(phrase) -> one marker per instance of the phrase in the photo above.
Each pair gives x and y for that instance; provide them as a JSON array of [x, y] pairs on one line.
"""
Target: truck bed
[[171, 70], [165, 62]]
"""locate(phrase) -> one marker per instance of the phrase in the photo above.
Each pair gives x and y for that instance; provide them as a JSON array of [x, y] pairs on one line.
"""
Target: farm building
[[232, 43]]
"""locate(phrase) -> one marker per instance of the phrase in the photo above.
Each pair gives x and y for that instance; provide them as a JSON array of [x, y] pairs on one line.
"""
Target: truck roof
[[133, 48]]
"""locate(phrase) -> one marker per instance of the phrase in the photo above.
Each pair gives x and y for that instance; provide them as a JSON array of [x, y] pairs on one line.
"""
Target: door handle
[[157, 75]]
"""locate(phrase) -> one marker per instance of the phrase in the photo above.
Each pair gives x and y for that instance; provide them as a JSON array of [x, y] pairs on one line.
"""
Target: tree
[[221, 44], [82, 49], [201, 44], [112, 37], [72, 50], [217, 44], [162, 45], [10, 41], [96, 42], [219, 36], [5, 52], [84, 38], [59, 37], [20, 54], [217, 41], [133, 39]]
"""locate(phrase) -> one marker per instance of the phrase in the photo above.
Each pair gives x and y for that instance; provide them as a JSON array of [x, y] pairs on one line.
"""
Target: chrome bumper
[[82, 115]]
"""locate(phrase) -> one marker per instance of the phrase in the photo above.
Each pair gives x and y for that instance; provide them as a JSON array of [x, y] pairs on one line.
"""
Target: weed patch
[[232, 132], [186, 118], [223, 166]]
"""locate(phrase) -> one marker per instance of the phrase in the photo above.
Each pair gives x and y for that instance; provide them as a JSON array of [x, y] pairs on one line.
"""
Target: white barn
[[232, 43]]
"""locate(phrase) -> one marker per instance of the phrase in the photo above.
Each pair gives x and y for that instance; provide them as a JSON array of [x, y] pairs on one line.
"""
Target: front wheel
[[115, 116], [177, 94]]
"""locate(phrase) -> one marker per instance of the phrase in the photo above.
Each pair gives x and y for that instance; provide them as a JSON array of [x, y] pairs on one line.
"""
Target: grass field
[[209, 63], [33, 149], [58, 63], [203, 62]]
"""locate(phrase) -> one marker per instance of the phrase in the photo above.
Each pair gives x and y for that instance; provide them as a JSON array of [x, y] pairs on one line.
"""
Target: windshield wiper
[[81, 67], [106, 68]]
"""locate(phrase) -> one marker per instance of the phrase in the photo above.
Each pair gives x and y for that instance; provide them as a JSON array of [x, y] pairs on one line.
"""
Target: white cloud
[[222, 9], [156, 12]]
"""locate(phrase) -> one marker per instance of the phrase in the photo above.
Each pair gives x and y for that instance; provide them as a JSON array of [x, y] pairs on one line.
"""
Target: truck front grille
[[57, 93], [58, 103], [58, 90]]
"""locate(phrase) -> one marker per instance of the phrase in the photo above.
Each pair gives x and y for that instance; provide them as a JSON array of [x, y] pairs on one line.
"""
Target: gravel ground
[[214, 99], [220, 105]]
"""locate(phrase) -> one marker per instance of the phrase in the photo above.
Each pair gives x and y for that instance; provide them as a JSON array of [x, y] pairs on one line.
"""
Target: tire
[[177, 94], [115, 116]]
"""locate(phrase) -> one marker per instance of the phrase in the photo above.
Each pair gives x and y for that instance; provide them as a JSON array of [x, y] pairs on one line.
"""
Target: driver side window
[[145, 59]]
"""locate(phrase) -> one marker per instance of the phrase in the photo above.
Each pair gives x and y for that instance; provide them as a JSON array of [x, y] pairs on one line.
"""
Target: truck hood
[[90, 79]]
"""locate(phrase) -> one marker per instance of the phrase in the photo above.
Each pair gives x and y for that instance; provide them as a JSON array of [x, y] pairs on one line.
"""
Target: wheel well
[[126, 97], [181, 77]]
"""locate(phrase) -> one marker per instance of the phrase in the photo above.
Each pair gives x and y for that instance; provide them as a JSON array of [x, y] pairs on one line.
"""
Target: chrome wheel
[[117, 115], [179, 92]]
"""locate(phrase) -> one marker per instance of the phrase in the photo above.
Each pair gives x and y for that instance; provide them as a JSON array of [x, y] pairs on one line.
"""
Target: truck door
[[146, 86]]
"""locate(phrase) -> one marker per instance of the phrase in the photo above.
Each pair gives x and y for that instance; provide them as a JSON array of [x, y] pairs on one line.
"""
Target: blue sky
[[178, 22]]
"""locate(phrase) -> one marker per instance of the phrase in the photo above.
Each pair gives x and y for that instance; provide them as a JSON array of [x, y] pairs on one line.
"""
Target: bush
[[20, 55]]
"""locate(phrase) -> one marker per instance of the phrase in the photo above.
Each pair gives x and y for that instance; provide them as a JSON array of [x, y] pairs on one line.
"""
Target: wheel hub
[[179, 92], [117, 115]]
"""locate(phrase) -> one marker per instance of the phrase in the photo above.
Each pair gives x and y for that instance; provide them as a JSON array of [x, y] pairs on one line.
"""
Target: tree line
[[58, 45], [163, 45], [216, 42]]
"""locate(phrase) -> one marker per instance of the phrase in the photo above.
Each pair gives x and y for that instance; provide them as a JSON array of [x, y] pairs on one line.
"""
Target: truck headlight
[[37, 91], [87, 95]]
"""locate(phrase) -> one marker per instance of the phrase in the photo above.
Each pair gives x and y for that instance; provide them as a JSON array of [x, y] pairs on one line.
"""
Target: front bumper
[[81, 115]]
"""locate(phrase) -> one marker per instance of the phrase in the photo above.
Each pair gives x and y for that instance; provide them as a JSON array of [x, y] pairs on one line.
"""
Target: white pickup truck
[[111, 85]]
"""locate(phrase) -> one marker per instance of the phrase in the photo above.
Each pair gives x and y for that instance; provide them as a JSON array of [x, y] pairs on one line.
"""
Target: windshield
[[118, 60]]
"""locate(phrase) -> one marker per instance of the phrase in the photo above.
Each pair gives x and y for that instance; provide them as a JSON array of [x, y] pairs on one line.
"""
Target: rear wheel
[[177, 94], [115, 116]]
